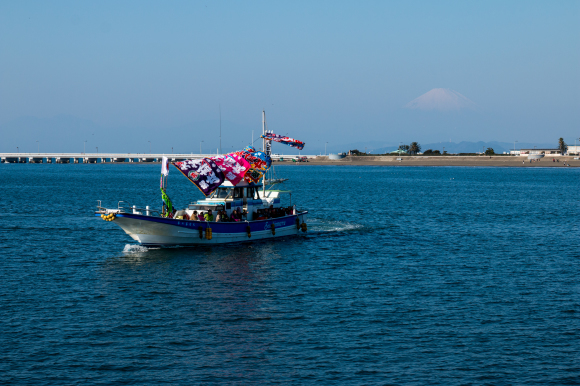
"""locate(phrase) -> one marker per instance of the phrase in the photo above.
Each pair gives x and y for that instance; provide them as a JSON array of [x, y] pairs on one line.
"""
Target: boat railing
[[135, 210], [131, 209]]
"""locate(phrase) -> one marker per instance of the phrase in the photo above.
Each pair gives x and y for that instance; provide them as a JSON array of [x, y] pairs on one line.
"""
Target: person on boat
[[200, 217], [208, 216], [194, 216], [236, 215], [222, 216]]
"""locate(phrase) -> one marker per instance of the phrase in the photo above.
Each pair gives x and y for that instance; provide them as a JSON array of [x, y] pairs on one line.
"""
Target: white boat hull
[[155, 231]]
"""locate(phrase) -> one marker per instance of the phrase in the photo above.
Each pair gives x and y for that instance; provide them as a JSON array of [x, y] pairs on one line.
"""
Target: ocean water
[[407, 275]]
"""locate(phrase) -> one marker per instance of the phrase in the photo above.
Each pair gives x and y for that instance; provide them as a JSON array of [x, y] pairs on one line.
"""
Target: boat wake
[[332, 226], [134, 248]]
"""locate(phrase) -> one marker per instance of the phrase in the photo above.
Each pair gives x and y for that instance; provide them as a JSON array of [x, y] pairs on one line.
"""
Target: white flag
[[165, 166]]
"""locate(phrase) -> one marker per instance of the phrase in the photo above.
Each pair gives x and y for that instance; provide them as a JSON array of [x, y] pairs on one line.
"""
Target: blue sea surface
[[407, 275]]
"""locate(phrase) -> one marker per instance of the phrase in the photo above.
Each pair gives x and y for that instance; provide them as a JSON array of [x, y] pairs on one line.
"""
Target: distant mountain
[[441, 99]]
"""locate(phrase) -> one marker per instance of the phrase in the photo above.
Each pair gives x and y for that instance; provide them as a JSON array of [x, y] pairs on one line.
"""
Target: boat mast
[[263, 130], [266, 148]]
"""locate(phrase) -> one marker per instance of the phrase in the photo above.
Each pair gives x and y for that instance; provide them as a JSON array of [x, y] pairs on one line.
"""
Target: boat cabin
[[249, 198]]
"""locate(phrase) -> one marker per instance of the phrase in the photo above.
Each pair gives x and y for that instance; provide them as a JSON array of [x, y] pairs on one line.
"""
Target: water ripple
[[405, 276]]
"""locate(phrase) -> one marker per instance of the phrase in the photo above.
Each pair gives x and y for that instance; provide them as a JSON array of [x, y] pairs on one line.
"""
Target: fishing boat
[[239, 186]]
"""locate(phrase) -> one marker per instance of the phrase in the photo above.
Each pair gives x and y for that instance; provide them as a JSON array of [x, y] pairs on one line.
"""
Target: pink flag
[[233, 166]]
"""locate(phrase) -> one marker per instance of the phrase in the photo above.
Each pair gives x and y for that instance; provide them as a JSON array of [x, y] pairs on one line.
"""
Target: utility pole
[[264, 132]]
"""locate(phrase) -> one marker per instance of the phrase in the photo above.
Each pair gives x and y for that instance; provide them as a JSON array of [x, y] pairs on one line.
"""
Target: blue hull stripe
[[219, 227]]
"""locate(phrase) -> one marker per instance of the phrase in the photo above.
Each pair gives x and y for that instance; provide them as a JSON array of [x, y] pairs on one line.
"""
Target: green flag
[[167, 201]]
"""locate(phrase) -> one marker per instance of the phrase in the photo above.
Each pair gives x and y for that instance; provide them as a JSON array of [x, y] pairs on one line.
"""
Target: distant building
[[573, 150], [551, 152]]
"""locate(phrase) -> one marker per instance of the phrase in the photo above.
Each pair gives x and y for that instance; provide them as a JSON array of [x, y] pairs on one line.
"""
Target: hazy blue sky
[[120, 74]]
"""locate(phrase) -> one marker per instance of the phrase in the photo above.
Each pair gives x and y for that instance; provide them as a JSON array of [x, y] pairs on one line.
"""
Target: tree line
[[414, 148]]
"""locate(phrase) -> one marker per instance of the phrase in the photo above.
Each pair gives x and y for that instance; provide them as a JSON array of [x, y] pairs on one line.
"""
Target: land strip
[[495, 161]]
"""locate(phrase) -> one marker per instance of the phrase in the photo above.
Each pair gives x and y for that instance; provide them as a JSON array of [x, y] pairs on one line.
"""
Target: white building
[[573, 150], [548, 152]]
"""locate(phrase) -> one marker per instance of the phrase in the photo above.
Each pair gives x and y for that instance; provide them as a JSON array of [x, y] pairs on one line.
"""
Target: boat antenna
[[264, 149], [263, 130], [220, 105]]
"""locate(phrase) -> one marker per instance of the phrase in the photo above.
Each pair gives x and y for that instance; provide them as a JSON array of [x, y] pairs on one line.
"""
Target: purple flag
[[204, 173]]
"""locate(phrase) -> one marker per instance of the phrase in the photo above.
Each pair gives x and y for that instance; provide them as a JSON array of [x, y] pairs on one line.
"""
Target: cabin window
[[206, 207], [221, 193], [238, 193], [254, 193]]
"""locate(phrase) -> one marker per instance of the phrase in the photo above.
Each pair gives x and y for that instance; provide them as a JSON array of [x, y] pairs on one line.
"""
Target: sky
[[137, 76]]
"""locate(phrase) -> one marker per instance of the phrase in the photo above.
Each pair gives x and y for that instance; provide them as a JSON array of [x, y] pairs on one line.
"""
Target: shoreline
[[483, 161]]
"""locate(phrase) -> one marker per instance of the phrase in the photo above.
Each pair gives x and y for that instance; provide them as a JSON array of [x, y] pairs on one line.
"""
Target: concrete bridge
[[65, 158]]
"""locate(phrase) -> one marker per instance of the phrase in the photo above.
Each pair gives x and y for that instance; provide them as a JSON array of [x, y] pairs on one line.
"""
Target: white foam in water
[[134, 248], [334, 226]]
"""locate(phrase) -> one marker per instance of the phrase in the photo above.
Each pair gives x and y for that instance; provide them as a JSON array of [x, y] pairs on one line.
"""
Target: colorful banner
[[204, 173], [285, 140], [209, 173], [259, 163], [233, 166]]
